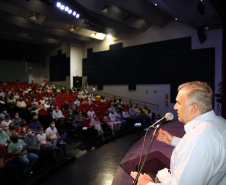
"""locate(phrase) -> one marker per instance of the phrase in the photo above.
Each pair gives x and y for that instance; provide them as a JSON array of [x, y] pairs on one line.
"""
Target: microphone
[[167, 117]]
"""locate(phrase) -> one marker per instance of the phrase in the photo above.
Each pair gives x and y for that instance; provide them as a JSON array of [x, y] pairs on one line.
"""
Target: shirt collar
[[198, 120]]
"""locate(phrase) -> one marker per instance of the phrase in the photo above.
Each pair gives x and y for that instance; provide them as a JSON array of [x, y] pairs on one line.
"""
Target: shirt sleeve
[[175, 141]]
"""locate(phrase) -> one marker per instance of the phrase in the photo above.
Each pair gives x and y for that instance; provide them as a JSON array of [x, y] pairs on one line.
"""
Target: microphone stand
[[146, 155]]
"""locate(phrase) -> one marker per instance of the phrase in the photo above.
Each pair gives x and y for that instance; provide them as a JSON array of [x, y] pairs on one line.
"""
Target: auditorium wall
[[10, 71], [154, 34]]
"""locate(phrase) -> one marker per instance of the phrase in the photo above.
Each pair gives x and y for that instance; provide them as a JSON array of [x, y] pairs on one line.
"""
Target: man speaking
[[199, 157]]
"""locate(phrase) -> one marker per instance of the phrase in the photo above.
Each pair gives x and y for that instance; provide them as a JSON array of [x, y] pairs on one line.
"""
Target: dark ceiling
[[37, 26]]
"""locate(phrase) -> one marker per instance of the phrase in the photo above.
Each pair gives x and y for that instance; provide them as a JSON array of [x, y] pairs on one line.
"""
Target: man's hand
[[143, 178], [37, 148], [165, 137]]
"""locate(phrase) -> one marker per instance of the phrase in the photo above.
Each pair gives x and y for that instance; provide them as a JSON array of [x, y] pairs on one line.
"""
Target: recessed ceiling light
[[156, 4], [70, 11], [58, 4], [175, 19], [66, 9]]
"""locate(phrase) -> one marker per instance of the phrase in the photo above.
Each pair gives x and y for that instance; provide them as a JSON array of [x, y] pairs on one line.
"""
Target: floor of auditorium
[[93, 164]]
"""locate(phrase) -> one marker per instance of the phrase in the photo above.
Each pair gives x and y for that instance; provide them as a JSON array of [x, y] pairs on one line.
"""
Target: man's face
[[182, 107]]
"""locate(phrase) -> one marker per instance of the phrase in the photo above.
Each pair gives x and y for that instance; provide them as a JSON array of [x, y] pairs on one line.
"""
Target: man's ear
[[195, 108]]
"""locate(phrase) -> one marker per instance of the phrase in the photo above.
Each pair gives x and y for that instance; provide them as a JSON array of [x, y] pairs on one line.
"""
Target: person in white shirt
[[5, 123], [45, 145], [58, 117], [90, 113], [114, 120], [199, 156], [54, 137], [21, 103]]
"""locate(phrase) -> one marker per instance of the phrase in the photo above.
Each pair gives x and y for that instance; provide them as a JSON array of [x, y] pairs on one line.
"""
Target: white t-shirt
[[5, 123], [51, 132], [90, 113], [21, 104], [42, 138]]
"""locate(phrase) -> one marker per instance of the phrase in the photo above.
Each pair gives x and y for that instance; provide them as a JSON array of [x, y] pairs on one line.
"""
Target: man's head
[[29, 132], [11, 126], [14, 137], [35, 118], [52, 124], [16, 115], [193, 99], [40, 129], [69, 111]]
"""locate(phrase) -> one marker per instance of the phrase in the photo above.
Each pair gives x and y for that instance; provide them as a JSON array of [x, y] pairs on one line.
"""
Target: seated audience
[[4, 138], [119, 118], [16, 120], [96, 123], [17, 148], [65, 106], [23, 128], [54, 137], [45, 145], [5, 123], [72, 106], [90, 113], [71, 119], [3, 113], [12, 130], [32, 142], [109, 122], [35, 124], [58, 117], [114, 120]]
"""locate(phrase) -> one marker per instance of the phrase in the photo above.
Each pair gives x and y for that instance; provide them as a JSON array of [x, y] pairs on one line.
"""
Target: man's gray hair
[[199, 93]]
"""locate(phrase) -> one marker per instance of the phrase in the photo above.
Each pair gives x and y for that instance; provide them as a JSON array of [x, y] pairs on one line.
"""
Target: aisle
[[96, 167]]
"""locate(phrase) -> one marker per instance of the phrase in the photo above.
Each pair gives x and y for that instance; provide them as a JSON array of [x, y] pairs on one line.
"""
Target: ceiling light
[[74, 13], [175, 19], [62, 7], [109, 36], [77, 16], [70, 11], [156, 4], [58, 4], [66, 9]]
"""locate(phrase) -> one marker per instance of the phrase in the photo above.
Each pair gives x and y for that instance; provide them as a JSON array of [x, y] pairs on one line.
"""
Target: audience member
[[65, 106], [109, 122], [54, 137], [23, 128], [59, 117], [74, 121], [32, 142], [114, 120], [35, 124], [4, 138], [3, 113], [16, 120], [72, 106], [5, 123], [12, 130], [90, 113], [17, 148], [96, 123], [45, 145]]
